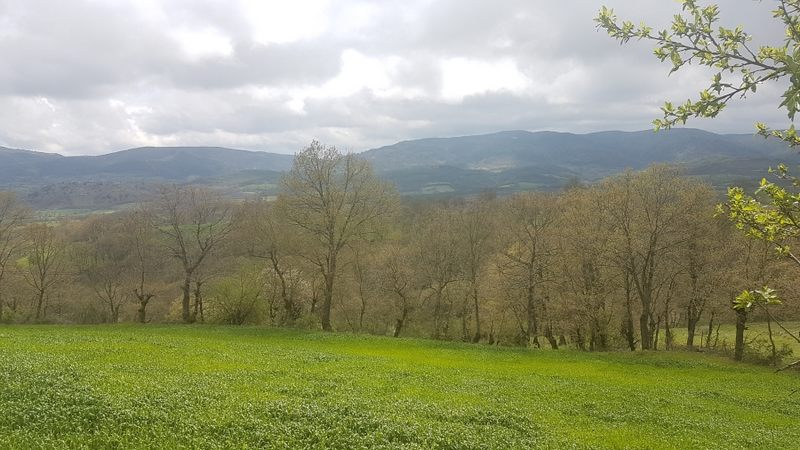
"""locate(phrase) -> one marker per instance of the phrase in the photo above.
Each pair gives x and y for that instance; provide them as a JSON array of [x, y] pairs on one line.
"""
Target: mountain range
[[506, 161]]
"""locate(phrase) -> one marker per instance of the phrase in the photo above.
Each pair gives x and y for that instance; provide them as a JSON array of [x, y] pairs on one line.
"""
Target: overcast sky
[[95, 76]]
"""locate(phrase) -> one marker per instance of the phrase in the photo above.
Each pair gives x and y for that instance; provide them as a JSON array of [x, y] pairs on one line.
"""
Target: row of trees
[[739, 68], [620, 264]]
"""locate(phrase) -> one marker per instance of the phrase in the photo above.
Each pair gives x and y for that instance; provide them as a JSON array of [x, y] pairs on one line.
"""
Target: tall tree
[[528, 246], [587, 275], [333, 199], [194, 223], [705, 258], [647, 215], [12, 216], [437, 255], [145, 258], [44, 265], [475, 227]]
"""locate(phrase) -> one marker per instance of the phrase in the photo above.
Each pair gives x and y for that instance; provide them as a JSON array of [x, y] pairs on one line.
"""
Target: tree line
[[623, 263]]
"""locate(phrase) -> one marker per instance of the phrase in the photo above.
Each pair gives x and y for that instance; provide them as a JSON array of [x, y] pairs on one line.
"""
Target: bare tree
[[266, 235], [194, 223], [44, 265], [587, 277], [399, 281], [528, 226], [475, 227], [647, 214], [706, 256], [145, 259], [437, 255], [100, 256], [334, 200], [12, 216]]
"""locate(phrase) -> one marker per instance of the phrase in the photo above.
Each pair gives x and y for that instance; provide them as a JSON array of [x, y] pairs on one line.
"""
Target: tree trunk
[[691, 327], [580, 341], [599, 335], [692, 319], [771, 340], [477, 336], [141, 313], [398, 326], [327, 302], [361, 312], [198, 302], [644, 327], [548, 333], [630, 335], [439, 320], [39, 303], [655, 334], [532, 330], [187, 291], [741, 322], [710, 329]]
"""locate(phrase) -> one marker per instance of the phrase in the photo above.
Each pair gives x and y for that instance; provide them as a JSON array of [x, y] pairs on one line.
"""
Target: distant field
[[215, 387], [727, 333]]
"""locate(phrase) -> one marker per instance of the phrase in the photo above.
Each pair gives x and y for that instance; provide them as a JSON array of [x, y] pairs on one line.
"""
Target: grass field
[[207, 387], [755, 330]]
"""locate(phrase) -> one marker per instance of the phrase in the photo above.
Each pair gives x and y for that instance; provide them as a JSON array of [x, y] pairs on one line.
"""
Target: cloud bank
[[90, 77]]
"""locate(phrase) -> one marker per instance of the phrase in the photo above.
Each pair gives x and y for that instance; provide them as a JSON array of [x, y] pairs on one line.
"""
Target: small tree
[[745, 303]]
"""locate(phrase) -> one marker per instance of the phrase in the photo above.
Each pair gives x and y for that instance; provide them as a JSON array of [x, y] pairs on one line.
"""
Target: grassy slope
[[170, 386]]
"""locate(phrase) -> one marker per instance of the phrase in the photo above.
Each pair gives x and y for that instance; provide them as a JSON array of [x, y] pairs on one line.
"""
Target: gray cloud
[[93, 77]]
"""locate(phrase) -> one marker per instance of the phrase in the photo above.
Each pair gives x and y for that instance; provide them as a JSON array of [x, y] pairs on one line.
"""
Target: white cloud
[[203, 43], [281, 22], [462, 77]]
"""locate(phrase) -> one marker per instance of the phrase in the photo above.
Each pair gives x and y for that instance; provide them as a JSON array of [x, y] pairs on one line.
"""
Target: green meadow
[[244, 387]]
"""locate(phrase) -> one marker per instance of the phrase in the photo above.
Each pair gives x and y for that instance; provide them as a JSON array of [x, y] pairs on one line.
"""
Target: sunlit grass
[[175, 386]]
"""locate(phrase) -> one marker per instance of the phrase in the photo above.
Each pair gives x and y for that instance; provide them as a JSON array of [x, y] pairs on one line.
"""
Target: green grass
[[207, 387]]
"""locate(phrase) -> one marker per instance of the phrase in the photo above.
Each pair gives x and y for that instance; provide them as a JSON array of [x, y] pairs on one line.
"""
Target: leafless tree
[[333, 200], [12, 217], [194, 223]]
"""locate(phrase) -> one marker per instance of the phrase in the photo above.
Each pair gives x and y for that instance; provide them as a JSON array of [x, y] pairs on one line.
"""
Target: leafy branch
[[695, 37]]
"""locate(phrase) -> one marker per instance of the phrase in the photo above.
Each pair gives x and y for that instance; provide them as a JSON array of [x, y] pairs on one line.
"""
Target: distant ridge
[[177, 164], [506, 161], [601, 151]]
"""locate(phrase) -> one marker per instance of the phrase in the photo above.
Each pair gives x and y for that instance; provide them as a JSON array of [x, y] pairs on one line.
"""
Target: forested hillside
[[631, 262]]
